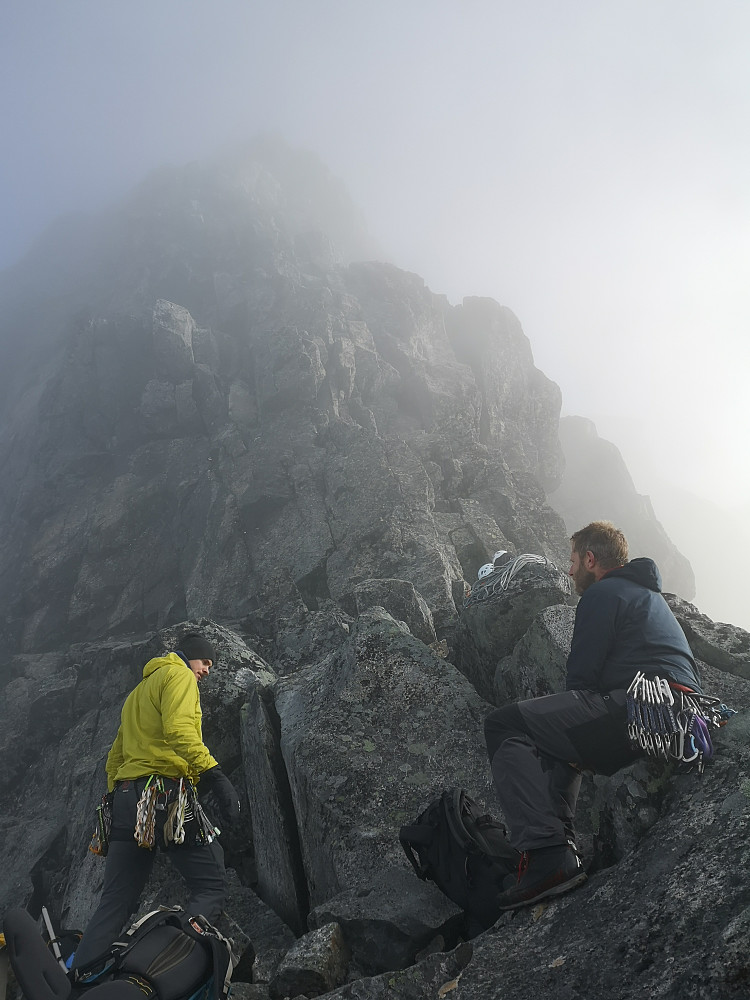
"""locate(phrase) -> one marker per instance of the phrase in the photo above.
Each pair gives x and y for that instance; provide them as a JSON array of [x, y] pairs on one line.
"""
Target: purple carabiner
[[701, 735]]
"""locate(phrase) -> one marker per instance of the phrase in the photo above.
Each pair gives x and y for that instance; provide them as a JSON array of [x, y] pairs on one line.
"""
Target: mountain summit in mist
[[204, 390]]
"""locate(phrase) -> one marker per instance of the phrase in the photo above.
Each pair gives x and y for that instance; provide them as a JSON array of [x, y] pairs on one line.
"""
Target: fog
[[584, 163]]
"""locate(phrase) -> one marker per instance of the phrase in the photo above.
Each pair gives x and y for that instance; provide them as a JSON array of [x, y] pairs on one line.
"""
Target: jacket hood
[[170, 660], [642, 571]]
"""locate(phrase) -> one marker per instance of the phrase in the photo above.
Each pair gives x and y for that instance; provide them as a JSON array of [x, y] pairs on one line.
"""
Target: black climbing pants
[[538, 749], [128, 867]]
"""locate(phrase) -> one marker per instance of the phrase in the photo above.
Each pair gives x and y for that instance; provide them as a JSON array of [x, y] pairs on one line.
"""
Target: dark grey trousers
[[128, 867], [537, 750]]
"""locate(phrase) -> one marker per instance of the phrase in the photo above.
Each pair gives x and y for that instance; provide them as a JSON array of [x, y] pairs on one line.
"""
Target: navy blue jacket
[[623, 625]]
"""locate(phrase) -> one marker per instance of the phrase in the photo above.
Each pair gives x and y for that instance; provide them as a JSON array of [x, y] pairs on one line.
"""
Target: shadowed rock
[[390, 921], [537, 664]]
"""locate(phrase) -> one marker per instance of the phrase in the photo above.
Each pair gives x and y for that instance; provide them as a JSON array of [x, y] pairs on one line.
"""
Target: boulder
[[537, 664], [260, 936], [367, 737], [316, 964], [401, 600], [386, 924], [437, 975], [278, 856], [726, 647]]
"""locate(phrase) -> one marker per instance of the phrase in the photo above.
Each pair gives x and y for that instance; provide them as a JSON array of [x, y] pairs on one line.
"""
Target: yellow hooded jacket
[[160, 726]]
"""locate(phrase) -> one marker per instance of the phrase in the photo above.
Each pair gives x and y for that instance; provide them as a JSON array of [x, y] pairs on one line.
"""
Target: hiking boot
[[547, 871]]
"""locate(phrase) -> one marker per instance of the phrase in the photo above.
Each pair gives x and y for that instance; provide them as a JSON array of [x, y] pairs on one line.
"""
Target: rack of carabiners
[[670, 723], [179, 806]]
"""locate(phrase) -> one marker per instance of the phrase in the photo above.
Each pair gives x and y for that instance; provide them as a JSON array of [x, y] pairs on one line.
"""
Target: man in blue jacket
[[539, 748]]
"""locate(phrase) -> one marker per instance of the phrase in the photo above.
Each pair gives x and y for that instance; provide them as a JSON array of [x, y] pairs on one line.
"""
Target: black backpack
[[464, 852], [166, 955], [174, 956]]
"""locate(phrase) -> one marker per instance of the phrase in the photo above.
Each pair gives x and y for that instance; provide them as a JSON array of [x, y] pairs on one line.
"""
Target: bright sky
[[586, 163]]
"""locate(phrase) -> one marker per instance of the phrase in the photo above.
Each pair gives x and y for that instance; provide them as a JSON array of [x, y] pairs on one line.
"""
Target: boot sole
[[555, 890]]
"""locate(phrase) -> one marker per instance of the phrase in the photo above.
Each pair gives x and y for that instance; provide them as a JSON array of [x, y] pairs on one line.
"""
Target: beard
[[582, 579]]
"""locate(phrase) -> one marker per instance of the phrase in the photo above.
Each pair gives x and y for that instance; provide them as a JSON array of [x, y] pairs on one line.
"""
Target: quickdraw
[[100, 838], [152, 798], [671, 723], [186, 818], [174, 827]]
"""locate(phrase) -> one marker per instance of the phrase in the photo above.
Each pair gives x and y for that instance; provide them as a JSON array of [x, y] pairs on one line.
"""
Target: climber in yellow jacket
[[155, 762], [160, 732]]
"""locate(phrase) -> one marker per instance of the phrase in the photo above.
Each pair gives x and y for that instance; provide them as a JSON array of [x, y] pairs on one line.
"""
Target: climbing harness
[[100, 837], [184, 819], [665, 720], [168, 806]]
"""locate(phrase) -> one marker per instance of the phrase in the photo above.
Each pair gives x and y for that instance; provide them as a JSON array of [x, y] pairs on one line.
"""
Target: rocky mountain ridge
[[219, 417], [335, 749]]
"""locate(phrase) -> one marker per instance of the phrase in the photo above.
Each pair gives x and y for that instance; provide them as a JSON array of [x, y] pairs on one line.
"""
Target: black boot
[[547, 871]]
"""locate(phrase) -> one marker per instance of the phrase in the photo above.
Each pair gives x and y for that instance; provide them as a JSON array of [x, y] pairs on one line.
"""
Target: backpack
[[177, 956], [167, 955], [464, 852]]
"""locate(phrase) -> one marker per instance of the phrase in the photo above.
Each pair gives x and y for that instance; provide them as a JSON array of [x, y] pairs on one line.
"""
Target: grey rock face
[[401, 601], [173, 341], [489, 338], [226, 410], [725, 647], [437, 976], [368, 736], [537, 664]]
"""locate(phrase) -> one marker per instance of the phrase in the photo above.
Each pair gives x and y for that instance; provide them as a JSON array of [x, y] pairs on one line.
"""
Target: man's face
[[200, 668], [582, 578]]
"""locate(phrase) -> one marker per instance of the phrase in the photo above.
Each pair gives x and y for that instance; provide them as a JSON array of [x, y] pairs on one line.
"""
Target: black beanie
[[195, 647]]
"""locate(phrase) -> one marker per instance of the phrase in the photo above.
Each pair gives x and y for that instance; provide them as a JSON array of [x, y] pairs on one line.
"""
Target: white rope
[[525, 559]]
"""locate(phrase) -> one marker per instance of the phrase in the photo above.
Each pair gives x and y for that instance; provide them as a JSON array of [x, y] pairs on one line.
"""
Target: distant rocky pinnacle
[[219, 413], [596, 485]]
